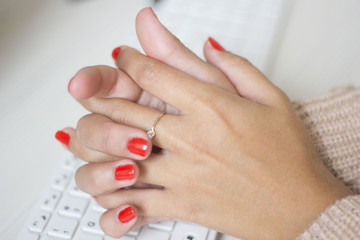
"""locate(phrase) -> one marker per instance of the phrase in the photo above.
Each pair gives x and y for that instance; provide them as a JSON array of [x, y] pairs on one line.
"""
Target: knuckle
[[148, 73], [118, 113], [105, 137], [213, 106], [144, 72]]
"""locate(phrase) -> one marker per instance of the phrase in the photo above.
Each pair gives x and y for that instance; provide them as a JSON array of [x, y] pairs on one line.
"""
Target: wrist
[[325, 191]]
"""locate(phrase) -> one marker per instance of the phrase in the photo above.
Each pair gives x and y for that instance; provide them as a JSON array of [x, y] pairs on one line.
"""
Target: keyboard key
[[189, 231], [47, 237], [148, 233], [72, 206], [96, 207], [70, 163], [39, 221], [84, 236], [27, 235], [61, 227], [212, 235], [134, 233], [90, 222], [61, 180], [50, 200], [164, 225]]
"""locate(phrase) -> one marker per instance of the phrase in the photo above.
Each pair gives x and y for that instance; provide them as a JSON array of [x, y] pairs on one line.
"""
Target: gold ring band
[[151, 133]]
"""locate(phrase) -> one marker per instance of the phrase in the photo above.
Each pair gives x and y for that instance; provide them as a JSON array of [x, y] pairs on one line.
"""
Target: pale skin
[[235, 156]]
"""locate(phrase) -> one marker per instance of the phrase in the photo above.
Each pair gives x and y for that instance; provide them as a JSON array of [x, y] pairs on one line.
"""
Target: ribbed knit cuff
[[339, 221]]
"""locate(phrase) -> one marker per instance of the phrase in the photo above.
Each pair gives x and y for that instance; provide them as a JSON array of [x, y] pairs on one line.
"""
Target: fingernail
[[215, 44], [152, 10], [125, 172], [63, 137], [126, 215], [138, 146], [115, 53]]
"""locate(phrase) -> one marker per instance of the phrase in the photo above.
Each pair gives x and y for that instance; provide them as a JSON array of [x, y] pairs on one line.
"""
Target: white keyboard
[[65, 212]]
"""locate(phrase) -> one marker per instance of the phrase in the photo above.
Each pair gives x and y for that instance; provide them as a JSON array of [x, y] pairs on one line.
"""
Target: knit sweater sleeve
[[333, 122]]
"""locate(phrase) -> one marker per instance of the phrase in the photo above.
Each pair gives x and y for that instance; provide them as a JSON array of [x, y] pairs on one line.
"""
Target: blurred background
[[306, 47]]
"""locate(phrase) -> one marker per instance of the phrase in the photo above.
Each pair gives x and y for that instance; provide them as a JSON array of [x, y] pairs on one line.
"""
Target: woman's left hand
[[241, 164]]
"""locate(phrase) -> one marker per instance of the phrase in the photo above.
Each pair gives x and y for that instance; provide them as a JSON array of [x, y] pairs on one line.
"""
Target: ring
[[151, 133]]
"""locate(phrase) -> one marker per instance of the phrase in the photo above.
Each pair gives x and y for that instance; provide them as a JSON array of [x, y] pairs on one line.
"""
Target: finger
[[69, 140], [157, 170], [119, 221], [149, 202], [162, 45], [136, 116], [100, 133], [103, 81], [112, 226], [102, 178], [169, 84], [248, 80]]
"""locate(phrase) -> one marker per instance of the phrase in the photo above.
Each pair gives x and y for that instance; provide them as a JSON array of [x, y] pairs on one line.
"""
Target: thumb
[[248, 80], [160, 44]]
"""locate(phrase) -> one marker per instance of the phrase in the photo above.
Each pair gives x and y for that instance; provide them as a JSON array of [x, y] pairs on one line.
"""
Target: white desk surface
[[43, 43]]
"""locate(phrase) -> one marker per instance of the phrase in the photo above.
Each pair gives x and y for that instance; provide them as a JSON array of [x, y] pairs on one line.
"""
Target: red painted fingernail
[[215, 44], [125, 172], [126, 215], [63, 137], [152, 10], [138, 146], [115, 53]]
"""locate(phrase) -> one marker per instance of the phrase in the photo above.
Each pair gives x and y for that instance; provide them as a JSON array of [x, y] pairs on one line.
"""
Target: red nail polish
[[138, 146], [215, 44], [125, 172], [126, 215], [63, 137], [115, 53]]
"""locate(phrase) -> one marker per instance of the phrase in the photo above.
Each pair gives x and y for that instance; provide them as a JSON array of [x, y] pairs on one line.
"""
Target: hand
[[243, 165], [92, 85], [234, 163]]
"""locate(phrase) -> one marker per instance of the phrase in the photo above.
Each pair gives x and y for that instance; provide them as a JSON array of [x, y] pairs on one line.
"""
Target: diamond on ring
[[151, 133]]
